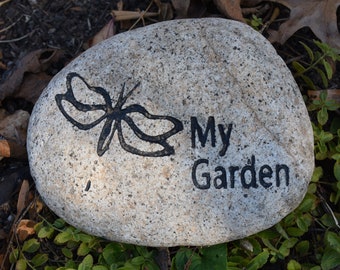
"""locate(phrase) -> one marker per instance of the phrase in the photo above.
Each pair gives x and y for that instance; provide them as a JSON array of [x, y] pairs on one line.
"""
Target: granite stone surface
[[185, 132]]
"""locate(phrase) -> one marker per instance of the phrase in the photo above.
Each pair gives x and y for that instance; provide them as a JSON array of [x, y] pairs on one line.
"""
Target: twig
[[141, 17], [10, 26], [15, 39], [4, 2], [273, 17], [329, 210]]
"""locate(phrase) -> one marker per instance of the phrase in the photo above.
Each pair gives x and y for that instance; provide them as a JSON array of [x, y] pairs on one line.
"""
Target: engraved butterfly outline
[[113, 116]]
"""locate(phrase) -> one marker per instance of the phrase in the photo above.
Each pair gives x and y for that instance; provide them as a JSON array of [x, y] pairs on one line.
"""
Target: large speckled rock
[[187, 132]]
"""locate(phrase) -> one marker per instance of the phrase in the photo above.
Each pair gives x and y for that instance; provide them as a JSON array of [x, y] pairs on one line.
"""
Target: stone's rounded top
[[185, 132]]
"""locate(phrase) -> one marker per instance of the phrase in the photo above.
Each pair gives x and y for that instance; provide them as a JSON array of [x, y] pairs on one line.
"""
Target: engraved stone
[[185, 132]]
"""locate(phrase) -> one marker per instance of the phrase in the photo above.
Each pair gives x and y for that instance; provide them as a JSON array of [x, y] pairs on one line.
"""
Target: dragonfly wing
[[79, 112], [164, 148]]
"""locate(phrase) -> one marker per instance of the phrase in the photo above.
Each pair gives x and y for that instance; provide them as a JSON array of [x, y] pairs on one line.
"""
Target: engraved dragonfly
[[113, 117]]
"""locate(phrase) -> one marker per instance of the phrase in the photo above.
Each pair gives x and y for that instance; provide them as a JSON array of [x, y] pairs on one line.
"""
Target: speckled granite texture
[[187, 132]]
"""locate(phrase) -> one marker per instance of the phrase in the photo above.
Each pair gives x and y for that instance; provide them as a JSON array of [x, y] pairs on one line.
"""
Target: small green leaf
[[50, 268], [298, 67], [268, 234], [322, 116], [330, 259], [280, 230], [114, 253], [31, 246], [302, 247], [323, 96], [309, 82], [286, 246], [63, 237], [67, 252], [87, 263], [137, 261], [14, 256], [181, 258], [59, 223], [150, 265], [70, 265], [214, 257], [315, 268], [309, 51], [303, 222], [295, 232], [21, 265], [326, 136], [45, 232], [323, 77], [333, 240], [317, 174], [312, 188], [328, 68], [83, 249], [99, 267], [293, 265], [259, 261], [39, 259], [85, 238], [327, 220], [332, 105], [306, 205], [257, 249]]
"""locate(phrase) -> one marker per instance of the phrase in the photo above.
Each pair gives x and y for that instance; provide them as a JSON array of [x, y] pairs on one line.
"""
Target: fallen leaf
[[34, 62], [9, 182], [230, 9], [14, 126], [123, 15], [181, 7], [107, 31], [12, 149], [32, 86], [2, 65], [23, 196], [165, 10], [25, 229], [35, 208], [319, 15]]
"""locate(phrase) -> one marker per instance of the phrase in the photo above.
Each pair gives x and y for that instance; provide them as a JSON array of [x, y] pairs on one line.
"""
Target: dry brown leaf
[[181, 7], [14, 126], [34, 62], [230, 8], [5, 149], [106, 32], [25, 229], [165, 10], [32, 86], [23, 196], [319, 15], [35, 208], [123, 15], [12, 149]]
